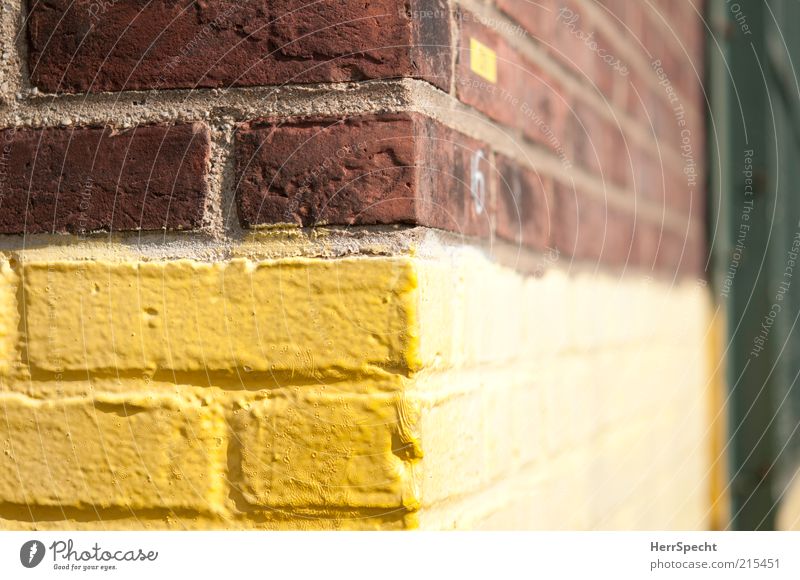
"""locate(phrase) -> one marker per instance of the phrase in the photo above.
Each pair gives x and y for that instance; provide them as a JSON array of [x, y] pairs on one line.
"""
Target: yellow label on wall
[[483, 60]]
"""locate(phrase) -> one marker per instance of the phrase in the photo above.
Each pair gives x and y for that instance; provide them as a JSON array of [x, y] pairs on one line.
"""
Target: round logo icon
[[31, 553]]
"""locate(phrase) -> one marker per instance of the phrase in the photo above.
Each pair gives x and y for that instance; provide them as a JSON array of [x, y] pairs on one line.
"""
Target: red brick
[[647, 238], [569, 33], [91, 46], [618, 242], [91, 179], [615, 11], [637, 98], [538, 18], [588, 138], [605, 74], [628, 21], [679, 195], [587, 229], [619, 92], [452, 169], [680, 57], [600, 145], [618, 156], [674, 253], [695, 258], [366, 170], [633, 19], [679, 254], [524, 95], [525, 211], [501, 100], [543, 110], [648, 176]]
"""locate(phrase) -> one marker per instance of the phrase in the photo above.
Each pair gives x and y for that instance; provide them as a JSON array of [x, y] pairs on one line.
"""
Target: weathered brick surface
[[399, 168], [361, 456], [356, 452], [410, 169], [126, 454], [614, 101], [525, 210], [588, 139], [88, 179], [458, 180], [568, 43], [220, 317], [237, 389], [340, 171], [538, 18], [543, 108], [499, 99], [375, 169], [9, 319], [587, 228], [110, 46]]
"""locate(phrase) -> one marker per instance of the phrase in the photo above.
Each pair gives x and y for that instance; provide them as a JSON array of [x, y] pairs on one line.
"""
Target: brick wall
[[420, 263]]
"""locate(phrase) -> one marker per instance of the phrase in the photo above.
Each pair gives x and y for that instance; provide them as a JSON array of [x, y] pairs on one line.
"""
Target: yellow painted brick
[[272, 520], [312, 449], [482, 435], [8, 316], [479, 322], [149, 453], [383, 450], [493, 315], [518, 501], [298, 316]]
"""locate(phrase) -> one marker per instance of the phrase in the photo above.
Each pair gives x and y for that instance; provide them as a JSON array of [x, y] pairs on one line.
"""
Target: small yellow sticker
[[483, 60]]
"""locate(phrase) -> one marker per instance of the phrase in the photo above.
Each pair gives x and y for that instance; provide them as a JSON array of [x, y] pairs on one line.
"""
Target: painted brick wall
[[415, 264]]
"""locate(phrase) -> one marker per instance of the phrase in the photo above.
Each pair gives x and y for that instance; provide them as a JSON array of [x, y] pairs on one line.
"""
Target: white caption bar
[[349, 555]]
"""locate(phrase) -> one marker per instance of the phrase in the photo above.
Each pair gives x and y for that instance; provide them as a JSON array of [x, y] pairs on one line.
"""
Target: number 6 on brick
[[478, 186]]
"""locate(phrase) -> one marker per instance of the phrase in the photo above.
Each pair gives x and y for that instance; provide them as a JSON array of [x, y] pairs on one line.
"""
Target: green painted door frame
[[754, 178]]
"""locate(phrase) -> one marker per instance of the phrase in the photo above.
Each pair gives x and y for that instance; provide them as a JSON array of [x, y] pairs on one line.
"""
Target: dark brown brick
[[695, 261], [647, 238], [538, 18], [366, 170], [93, 46], [569, 45], [525, 211], [636, 98], [587, 229], [544, 110], [606, 73], [617, 158], [457, 180], [672, 253], [339, 171], [627, 17], [649, 176], [587, 138], [500, 100], [93, 179]]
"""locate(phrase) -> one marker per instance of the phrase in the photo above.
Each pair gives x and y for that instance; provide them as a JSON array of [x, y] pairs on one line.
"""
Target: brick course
[[89, 179], [376, 169], [89, 46], [106, 454], [367, 170]]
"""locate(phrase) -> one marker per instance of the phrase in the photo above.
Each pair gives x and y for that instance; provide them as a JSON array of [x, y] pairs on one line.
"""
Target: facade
[[348, 265]]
